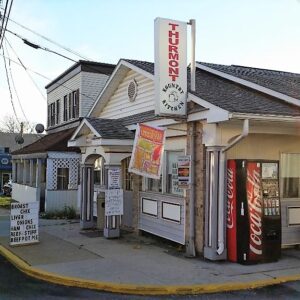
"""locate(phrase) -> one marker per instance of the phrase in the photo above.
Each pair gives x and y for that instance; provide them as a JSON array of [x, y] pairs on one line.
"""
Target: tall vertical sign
[[170, 67]]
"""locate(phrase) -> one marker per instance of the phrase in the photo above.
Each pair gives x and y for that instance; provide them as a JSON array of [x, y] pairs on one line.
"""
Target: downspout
[[221, 224]]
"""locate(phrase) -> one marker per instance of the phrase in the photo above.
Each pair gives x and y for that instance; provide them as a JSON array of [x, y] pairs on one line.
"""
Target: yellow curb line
[[139, 289]]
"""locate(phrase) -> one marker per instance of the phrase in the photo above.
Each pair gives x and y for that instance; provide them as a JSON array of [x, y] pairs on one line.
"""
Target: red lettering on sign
[[254, 198], [231, 211], [174, 40]]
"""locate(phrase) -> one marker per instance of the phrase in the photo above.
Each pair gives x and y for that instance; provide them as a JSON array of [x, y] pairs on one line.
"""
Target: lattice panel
[[54, 164]]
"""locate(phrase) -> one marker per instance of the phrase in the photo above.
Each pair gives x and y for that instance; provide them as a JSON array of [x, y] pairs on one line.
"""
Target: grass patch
[[66, 213], [5, 201]]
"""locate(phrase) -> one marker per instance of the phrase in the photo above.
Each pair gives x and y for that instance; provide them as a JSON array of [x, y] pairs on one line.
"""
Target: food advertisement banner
[[147, 151], [184, 171]]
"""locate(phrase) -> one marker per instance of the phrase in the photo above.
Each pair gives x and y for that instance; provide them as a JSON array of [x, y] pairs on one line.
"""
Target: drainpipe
[[221, 224]]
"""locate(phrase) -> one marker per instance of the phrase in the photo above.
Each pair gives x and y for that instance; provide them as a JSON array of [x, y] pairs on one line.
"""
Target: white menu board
[[114, 178], [114, 202], [24, 223]]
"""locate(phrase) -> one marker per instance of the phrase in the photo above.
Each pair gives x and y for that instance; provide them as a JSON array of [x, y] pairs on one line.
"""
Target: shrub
[[67, 212]]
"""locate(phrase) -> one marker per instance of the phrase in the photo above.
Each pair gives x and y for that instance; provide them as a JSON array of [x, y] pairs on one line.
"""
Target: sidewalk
[[137, 265]]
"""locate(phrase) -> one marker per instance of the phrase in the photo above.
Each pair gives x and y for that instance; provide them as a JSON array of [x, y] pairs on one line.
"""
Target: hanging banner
[[170, 39], [184, 171], [147, 151]]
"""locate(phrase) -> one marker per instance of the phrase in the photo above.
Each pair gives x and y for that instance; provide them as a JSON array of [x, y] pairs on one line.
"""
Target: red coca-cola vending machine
[[253, 211]]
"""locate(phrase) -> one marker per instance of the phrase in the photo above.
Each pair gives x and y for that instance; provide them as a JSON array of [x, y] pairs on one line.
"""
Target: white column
[[38, 172], [24, 171], [87, 193], [31, 172], [14, 171]]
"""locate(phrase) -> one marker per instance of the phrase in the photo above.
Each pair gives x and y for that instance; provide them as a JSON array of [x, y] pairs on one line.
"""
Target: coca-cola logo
[[255, 209], [230, 195]]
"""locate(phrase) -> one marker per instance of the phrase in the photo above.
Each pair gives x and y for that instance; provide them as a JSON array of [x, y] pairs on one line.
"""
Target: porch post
[[215, 182], [38, 172], [24, 171], [14, 170], [31, 172], [86, 197], [19, 172]]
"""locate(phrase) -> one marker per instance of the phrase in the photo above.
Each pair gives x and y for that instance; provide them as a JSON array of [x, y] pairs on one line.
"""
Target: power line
[[3, 29], [50, 40], [20, 63], [36, 46], [25, 68], [11, 97], [17, 63], [13, 84]]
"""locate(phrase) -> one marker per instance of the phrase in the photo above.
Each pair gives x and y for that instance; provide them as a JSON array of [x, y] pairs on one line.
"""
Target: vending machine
[[253, 211]]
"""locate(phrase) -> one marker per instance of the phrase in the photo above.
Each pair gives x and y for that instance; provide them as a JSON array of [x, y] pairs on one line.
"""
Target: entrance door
[[5, 178]]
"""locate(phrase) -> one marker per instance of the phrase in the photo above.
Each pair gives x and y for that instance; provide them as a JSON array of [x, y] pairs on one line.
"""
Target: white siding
[[91, 86], [24, 193], [57, 200], [168, 229], [59, 93], [119, 106]]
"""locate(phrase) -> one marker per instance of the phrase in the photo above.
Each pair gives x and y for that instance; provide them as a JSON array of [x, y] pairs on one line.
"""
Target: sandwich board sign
[[24, 223]]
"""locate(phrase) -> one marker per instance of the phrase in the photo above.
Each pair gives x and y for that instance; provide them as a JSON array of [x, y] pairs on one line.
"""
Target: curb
[[133, 289]]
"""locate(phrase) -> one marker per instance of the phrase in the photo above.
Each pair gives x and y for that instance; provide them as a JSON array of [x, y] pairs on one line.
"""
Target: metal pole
[[193, 50]]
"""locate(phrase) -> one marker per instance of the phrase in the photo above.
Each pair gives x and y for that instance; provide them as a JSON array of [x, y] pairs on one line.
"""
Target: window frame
[[164, 177], [66, 108], [62, 185]]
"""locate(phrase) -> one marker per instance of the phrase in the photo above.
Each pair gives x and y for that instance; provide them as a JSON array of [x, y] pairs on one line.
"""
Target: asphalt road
[[16, 285]]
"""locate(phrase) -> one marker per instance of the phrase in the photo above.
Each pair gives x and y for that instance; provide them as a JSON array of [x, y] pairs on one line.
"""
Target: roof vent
[[132, 90]]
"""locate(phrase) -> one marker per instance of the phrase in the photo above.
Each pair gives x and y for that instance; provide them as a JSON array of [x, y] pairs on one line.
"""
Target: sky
[[255, 33]]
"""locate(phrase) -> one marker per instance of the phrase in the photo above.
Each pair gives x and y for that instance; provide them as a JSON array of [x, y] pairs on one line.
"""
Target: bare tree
[[12, 125]]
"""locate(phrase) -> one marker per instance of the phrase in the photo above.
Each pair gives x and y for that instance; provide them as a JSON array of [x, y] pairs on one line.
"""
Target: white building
[[234, 113], [47, 170]]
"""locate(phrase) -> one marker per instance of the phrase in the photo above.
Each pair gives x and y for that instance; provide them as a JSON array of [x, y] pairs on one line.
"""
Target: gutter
[[221, 223]]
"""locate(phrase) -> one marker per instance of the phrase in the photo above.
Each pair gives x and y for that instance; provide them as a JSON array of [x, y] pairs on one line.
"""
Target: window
[[155, 185], [127, 177], [57, 112], [71, 105], [172, 172], [66, 108], [75, 104], [99, 171], [168, 182], [6, 150], [62, 178], [290, 174], [52, 114]]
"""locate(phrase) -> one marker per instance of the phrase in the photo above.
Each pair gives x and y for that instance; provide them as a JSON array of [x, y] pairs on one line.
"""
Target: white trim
[[213, 113], [111, 142], [111, 80], [137, 69], [252, 85], [84, 122], [289, 119]]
